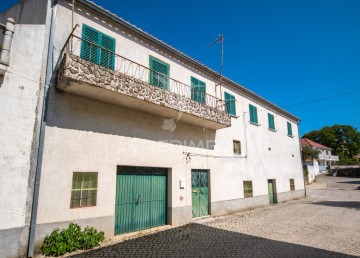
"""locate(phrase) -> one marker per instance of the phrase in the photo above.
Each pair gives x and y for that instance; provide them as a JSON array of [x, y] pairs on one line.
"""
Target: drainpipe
[[48, 75], [8, 29]]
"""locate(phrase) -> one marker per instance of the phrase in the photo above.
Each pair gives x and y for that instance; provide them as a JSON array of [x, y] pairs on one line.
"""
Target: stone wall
[[76, 68]]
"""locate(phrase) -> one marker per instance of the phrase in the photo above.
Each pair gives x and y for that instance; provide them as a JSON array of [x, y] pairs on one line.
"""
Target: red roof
[[306, 142]]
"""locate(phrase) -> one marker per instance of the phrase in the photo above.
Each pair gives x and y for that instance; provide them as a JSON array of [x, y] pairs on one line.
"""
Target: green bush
[[71, 239]]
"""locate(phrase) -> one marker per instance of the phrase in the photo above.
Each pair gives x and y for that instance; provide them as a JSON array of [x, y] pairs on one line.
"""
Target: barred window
[[237, 147], [248, 189], [84, 189], [292, 184]]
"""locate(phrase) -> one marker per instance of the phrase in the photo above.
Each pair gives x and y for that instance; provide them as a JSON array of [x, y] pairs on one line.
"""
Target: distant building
[[131, 133], [325, 158]]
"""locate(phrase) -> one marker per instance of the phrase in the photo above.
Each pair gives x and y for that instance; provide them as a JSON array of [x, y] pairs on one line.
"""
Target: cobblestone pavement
[[324, 224]]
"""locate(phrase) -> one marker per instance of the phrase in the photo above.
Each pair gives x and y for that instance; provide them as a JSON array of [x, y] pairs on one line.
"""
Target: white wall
[[19, 91]]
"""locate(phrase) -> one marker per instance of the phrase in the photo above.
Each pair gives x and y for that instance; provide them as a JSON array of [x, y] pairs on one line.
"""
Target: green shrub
[[71, 239]]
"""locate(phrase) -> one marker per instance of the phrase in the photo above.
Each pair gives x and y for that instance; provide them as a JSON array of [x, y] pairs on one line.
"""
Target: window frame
[[83, 189], [246, 189], [239, 149], [289, 129], [253, 115], [198, 95], [292, 184], [230, 103], [99, 47], [271, 122], [151, 73]]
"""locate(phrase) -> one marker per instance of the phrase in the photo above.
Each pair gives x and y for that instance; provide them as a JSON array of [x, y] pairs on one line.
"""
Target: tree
[[343, 139], [309, 153]]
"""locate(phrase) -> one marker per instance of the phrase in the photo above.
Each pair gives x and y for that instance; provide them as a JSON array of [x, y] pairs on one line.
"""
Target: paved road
[[325, 224]]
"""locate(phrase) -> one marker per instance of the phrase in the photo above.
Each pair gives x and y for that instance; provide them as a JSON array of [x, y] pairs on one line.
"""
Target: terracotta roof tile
[[307, 142]]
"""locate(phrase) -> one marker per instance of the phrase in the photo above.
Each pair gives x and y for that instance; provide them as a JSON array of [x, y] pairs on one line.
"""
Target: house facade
[[118, 130]]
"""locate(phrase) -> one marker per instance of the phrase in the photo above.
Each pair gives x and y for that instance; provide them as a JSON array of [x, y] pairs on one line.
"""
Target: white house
[[105, 125]]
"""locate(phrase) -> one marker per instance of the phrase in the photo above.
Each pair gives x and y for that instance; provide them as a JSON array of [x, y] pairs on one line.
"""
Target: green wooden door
[[200, 193], [140, 198], [271, 190]]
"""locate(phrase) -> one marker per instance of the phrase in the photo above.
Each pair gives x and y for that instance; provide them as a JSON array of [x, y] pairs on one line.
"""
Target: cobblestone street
[[324, 224]]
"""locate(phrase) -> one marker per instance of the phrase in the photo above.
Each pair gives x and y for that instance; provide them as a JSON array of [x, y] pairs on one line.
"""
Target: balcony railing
[[328, 157], [119, 64]]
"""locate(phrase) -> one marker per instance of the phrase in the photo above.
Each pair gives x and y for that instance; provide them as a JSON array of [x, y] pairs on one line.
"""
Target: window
[[237, 147], [289, 129], [198, 90], [97, 47], [292, 185], [230, 104], [271, 122], [248, 190], [159, 73], [253, 114], [84, 189]]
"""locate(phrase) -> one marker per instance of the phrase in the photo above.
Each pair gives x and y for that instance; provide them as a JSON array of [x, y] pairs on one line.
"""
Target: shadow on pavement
[[350, 182], [195, 240], [351, 205]]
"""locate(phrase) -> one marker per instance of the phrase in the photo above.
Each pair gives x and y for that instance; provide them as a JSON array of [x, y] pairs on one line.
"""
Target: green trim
[[158, 79], [289, 128], [198, 90], [253, 114], [230, 105], [271, 122]]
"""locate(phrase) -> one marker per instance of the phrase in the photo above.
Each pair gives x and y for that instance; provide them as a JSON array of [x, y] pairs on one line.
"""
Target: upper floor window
[[271, 122], [230, 104], [97, 47], [289, 129], [198, 90], [253, 114], [159, 73]]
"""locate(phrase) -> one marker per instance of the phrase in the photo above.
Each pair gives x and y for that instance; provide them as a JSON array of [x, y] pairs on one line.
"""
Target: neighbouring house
[[105, 125], [322, 163]]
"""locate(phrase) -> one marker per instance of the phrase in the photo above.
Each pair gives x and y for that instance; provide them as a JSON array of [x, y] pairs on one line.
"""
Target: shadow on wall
[[350, 205], [195, 240], [69, 111]]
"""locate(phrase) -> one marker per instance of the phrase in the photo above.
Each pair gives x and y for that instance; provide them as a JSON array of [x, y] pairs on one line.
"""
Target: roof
[[92, 5], [305, 142]]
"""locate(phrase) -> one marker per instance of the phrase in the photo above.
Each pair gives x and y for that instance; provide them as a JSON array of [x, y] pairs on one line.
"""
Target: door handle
[[138, 200]]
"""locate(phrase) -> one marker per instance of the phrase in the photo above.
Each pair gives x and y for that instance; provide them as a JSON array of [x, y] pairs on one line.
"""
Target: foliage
[[343, 139], [71, 239], [309, 153]]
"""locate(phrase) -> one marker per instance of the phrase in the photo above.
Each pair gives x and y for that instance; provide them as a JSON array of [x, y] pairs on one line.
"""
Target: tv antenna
[[220, 39]]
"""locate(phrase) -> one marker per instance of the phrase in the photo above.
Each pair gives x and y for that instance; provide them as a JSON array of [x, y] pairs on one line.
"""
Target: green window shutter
[[289, 129], [107, 55], [271, 121], [253, 114], [90, 44], [159, 73], [230, 104], [198, 90]]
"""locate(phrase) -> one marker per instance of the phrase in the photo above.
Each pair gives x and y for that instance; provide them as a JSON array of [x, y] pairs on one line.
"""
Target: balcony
[[124, 82], [329, 157]]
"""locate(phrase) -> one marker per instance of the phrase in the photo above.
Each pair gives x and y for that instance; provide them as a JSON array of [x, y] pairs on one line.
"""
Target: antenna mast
[[220, 39]]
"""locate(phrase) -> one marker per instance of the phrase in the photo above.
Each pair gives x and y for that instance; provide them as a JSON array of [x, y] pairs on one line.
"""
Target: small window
[[84, 189], [292, 184], [248, 190], [289, 129], [159, 73], [237, 147], [271, 122], [253, 114], [198, 90], [230, 104]]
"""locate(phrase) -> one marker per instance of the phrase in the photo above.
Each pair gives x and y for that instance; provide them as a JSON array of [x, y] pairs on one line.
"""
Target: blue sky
[[287, 51]]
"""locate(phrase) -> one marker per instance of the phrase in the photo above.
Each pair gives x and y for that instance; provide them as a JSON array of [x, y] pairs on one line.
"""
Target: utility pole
[[220, 39]]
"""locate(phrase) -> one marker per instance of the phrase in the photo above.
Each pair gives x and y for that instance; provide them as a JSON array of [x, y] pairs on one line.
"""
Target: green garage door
[[140, 198]]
